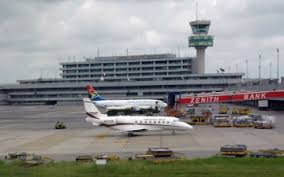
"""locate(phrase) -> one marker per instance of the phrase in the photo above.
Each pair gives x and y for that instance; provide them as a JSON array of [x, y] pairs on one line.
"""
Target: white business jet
[[131, 124]]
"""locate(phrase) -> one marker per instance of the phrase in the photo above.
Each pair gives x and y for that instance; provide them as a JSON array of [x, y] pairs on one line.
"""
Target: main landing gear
[[130, 134]]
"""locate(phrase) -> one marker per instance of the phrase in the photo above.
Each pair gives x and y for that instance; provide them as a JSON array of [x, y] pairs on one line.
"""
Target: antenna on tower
[[196, 12]]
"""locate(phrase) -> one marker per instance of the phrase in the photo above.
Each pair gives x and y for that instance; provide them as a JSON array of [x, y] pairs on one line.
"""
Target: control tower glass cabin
[[200, 40]]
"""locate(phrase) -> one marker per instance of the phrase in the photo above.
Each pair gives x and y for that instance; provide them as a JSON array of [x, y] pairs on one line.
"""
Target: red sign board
[[231, 97]]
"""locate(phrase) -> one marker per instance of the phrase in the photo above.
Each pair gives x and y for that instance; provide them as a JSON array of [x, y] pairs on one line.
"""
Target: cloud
[[152, 37], [137, 22], [36, 34]]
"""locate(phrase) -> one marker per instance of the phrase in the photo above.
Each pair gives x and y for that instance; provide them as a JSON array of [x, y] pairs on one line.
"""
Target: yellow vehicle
[[236, 150], [199, 120], [144, 156], [223, 110], [235, 110], [244, 111]]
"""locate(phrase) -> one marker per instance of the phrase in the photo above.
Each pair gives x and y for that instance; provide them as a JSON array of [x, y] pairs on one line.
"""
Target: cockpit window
[[175, 120]]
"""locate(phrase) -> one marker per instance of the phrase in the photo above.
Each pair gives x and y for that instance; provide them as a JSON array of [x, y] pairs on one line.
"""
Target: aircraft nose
[[189, 126], [164, 105], [186, 125]]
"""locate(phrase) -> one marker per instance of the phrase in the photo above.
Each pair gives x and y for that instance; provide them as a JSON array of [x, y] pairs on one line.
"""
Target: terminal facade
[[119, 77], [127, 77]]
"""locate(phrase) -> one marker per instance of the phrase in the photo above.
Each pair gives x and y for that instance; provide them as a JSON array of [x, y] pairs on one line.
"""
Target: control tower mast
[[200, 40]]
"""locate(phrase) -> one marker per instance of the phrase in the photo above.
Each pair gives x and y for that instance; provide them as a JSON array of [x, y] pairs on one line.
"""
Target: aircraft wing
[[142, 107], [132, 128], [95, 124], [119, 108], [122, 108]]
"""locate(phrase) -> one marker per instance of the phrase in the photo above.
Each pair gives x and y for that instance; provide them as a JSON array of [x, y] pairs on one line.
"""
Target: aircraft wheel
[[130, 134]]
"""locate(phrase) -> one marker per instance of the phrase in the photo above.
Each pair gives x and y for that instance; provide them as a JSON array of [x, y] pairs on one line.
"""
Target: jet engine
[[108, 121]]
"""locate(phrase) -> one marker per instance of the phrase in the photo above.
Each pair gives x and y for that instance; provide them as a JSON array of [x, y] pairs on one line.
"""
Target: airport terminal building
[[127, 77], [119, 77]]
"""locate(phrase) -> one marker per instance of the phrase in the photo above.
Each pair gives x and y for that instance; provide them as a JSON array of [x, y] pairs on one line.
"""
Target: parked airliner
[[136, 104], [131, 124]]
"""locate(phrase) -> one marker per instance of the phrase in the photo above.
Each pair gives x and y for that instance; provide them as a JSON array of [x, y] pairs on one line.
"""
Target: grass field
[[217, 167]]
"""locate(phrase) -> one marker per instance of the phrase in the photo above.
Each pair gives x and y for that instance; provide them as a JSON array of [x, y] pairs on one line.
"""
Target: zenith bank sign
[[255, 96], [208, 99], [231, 97], [223, 98]]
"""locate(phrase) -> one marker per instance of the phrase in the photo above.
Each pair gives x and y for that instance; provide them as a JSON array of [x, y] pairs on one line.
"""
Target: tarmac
[[31, 129]]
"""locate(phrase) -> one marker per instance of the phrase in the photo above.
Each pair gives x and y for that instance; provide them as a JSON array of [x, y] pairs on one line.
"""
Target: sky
[[35, 36]]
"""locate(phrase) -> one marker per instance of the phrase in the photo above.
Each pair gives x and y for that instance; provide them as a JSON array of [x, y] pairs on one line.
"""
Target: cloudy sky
[[36, 35]]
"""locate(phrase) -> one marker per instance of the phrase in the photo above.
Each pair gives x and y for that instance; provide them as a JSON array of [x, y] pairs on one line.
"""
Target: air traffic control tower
[[200, 41]]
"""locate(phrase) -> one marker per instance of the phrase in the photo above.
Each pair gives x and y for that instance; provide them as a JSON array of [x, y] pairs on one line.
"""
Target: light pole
[[270, 65], [278, 79], [237, 67], [259, 67], [247, 68]]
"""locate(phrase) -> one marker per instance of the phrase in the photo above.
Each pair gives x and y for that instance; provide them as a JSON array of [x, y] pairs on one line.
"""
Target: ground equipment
[[222, 120], [244, 111], [262, 121], [268, 153], [144, 156], [242, 121], [235, 110], [199, 120], [263, 124], [28, 159], [60, 125], [236, 150], [223, 109], [160, 152], [84, 158]]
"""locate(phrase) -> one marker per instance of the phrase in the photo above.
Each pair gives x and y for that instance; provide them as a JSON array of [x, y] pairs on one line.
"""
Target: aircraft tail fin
[[92, 93], [91, 110]]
